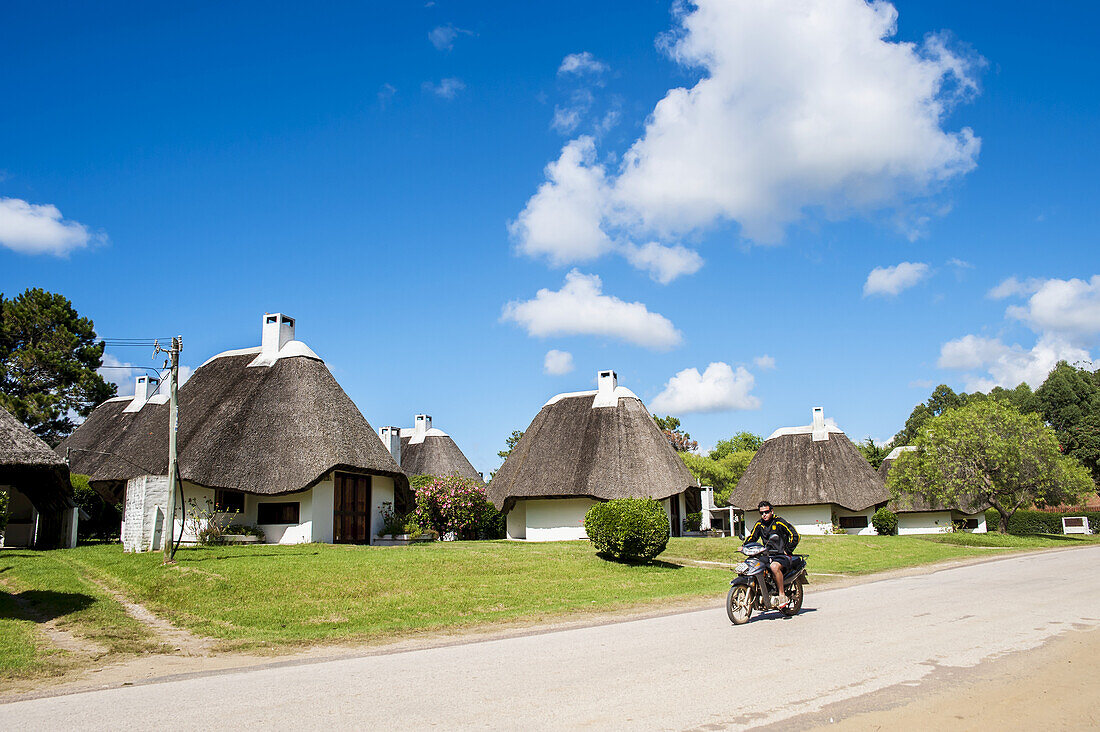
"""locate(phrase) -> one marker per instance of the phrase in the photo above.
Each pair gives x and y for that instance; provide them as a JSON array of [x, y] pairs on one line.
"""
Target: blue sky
[[732, 173]]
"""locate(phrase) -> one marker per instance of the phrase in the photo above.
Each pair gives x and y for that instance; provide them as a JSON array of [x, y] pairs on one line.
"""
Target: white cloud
[[664, 264], [31, 228], [443, 36], [581, 63], [959, 263], [765, 362], [1013, 286], [580, 308], [718, 389], [892, 280], [566, 119], [1067, 307], [557, 362], [1005, 365], [803, 105], [446, 88], [561, 221]]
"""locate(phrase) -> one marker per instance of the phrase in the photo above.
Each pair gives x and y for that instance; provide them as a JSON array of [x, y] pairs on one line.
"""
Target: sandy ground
[[1053, 687]]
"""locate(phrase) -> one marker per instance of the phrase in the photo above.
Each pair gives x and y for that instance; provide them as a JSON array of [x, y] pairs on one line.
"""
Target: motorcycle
[[754, 586]]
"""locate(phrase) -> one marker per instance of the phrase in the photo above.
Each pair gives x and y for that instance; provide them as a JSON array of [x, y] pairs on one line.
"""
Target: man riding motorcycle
[[768, 525]]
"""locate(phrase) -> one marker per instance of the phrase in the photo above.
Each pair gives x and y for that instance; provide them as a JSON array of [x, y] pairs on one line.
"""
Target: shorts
[[783, 560]]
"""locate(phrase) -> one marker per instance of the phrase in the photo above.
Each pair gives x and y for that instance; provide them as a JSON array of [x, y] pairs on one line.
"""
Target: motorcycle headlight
[[741, 567]]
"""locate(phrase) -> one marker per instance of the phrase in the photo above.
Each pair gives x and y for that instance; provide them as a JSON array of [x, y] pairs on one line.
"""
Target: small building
[[266, 432], [917, 515], [812, 475], [426, 450], [584, 447], [41, 510]]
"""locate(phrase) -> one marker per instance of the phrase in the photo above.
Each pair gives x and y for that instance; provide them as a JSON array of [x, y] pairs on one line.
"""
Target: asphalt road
[[685, 671]]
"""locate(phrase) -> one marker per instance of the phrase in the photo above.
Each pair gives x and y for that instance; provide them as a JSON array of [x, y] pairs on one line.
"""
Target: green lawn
[[851, 555], [44, 587], [278, 596]]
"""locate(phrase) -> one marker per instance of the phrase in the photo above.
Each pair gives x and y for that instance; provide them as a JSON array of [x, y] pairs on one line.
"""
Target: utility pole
[[173, 420]]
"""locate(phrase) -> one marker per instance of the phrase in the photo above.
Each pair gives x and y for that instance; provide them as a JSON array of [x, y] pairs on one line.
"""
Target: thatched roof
[[573, 448], [266, 429], [435, 454], [912, 502], [800, 466], [28, 464]]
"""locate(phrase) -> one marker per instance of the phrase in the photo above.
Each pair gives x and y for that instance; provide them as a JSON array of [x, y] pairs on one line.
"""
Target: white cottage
[[426, 450], [265, 431], [812, 474], [584, 447], [919, 516]]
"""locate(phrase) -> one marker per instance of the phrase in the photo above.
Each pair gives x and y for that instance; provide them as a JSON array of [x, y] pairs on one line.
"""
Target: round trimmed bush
[[628, 528], [885, 522]]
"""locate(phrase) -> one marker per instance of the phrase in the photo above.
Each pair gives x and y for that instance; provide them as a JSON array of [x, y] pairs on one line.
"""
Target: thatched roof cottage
[[265, 431], [41, 511], [917, 515], [811, 474], [585, 447], [426, 450]]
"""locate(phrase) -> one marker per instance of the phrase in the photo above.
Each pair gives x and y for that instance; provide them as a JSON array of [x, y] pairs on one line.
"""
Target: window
[[853, 522], [277, 513], [970, 524], [229, 501]]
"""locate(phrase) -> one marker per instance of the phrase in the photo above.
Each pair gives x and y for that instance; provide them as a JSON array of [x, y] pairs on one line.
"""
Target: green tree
[[741, 442], [875, 454], [681, 441], [511, 441], [722, 475], [104, 519], [942, 399], [48, 361], [989, 453], [1070, 402]]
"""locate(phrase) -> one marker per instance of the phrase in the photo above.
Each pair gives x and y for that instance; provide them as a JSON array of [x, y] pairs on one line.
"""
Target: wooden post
[[170, 515]]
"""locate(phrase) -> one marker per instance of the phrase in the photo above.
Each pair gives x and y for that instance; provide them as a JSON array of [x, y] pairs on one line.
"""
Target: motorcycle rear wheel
[[794, 596], [739, 604]]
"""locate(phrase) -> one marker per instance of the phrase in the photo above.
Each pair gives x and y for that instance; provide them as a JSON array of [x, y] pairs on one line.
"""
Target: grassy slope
[[864, 554], [43, 586]]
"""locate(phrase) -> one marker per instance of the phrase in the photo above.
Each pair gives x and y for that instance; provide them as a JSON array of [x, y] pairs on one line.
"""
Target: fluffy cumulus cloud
[[446, 88], [719, 388], [664, 263], [557, 362], [40, 229], [581, 308], [892, 280], [443, 37], [1065, 315], [802, 105]]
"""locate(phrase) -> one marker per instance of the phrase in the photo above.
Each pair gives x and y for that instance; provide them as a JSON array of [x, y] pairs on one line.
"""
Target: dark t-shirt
[[763, 529]]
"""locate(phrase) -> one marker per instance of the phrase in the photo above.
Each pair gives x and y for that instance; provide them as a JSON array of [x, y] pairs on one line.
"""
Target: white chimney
[[144, 387], [421, 426], [819, 431], [278, 331], [391, 438], [606, 382]]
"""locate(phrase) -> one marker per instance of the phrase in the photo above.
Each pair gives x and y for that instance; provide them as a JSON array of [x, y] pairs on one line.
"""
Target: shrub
[[453, 505], [104, 519], [885, 522], [628, 528], [1041, 522], [693, 521]]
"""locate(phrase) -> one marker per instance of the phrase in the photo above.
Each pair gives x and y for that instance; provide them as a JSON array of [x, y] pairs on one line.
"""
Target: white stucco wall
[[867, 513], [924, 522], [556, 519], [381, 489], [980, 516], [322, 505], [807, 520], [299, 533], [143, 509]]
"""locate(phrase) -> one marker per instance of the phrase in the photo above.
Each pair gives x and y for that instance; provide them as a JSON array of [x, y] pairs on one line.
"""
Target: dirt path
[[48, 627]]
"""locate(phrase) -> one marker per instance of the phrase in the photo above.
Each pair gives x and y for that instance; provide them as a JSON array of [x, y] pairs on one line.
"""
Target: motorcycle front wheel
[[739, 604], [795, 596]]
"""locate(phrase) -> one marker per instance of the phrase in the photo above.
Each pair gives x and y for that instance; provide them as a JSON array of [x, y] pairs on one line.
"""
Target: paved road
[[682, 671]]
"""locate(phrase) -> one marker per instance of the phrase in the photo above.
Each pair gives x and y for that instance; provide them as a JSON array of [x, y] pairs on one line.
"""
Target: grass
[[854, 555], [279, 596], [40, 590]]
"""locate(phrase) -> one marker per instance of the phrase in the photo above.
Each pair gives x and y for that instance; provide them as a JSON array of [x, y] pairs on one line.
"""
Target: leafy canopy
[[988, 453], [875, 454], [48, 361], [681, 441]]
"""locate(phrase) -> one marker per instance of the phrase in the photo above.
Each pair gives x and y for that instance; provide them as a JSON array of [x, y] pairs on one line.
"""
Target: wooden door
[[351, 509]]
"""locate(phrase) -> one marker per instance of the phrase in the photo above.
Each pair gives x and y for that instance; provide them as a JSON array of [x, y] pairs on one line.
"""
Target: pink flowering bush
[[457, 505]]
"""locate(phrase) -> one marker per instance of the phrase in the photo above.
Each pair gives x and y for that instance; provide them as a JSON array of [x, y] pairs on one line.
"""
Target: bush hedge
[[885, 522], [1039, 522], [628, 528]]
